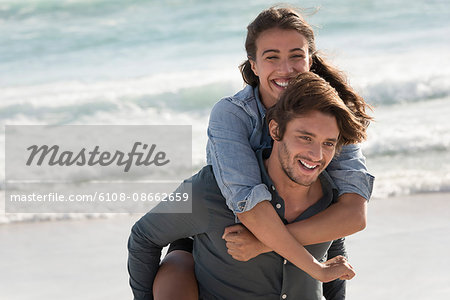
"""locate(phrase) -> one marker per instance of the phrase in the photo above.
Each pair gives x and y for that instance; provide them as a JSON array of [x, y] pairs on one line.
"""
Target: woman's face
[[280, 55]]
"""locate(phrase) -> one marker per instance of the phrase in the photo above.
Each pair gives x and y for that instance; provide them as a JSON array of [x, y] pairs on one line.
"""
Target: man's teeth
[[282, 83], [306, 165]]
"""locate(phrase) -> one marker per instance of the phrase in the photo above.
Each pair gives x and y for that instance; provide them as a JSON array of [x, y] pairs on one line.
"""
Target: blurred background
[[167, 62]]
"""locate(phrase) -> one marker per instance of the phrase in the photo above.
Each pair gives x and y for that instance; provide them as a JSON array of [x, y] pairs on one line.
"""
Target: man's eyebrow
[[305, 132], [278, 51], [313, 135]]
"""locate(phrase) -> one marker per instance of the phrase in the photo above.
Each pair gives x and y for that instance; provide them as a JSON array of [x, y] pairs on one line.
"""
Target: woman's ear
[[253, 66], [273, 130]]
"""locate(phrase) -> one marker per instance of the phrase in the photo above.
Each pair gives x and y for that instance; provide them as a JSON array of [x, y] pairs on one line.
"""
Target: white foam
[[64, 93]]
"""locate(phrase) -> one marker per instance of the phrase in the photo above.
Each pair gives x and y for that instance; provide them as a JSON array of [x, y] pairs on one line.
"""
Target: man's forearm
[[343, 218], [336, 289], [156, 230], [143, 263]]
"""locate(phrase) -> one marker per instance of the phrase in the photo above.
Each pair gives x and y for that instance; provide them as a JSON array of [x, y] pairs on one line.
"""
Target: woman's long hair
[[288, 18]]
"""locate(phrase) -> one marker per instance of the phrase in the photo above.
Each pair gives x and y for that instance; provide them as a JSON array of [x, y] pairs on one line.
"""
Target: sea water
[[167, 62]]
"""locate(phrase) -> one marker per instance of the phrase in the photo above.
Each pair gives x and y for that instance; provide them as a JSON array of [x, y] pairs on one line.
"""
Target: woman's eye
[[271, 57]]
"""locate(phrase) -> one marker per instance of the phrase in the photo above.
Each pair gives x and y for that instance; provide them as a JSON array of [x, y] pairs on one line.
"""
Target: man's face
[[307, 147]]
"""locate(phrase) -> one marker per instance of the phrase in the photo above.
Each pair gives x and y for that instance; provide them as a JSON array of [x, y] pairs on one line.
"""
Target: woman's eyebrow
[[296, 49], [278, 51], [270, 50]]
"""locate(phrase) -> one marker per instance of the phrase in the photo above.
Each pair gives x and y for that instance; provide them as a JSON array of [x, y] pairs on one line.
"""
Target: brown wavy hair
[[288, 18], [310, 92]]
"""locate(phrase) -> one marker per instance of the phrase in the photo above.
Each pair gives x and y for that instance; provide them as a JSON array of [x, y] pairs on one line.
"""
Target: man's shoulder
[[328, 185], [206, 193], [204, 177], [204, 182]]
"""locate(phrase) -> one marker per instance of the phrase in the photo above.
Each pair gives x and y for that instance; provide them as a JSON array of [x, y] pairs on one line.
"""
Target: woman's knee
[[176, 277]]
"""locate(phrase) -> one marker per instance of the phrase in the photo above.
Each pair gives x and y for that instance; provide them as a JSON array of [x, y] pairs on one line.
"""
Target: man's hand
[[242, 244]]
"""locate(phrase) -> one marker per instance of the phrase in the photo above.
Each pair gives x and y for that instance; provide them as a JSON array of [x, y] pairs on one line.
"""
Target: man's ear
[[253, 66], [273, 130], [310, 61]]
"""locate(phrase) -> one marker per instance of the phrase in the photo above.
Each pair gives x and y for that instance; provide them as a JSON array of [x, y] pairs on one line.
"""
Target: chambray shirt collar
[[261, 108], [330, 191]]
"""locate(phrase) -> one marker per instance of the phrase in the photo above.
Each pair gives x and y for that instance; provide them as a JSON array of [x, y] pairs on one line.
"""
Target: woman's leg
[[176, 277]]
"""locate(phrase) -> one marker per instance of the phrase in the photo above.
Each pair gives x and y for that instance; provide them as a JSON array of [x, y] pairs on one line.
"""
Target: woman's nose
[[286, 67]]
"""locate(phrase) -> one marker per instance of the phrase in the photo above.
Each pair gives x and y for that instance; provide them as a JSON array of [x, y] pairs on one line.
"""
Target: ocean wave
[[19, 10], [187, 88], [10, 218], [389, 92], [410, 182], [184, 91], [412, 147]]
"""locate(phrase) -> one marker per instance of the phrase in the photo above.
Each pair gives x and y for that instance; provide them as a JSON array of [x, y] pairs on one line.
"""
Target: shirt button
[[284, 296], [285, 262], [278, 205], [273, 188]]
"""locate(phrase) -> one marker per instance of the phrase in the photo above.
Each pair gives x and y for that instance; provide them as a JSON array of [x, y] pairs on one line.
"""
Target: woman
[[279, 45]]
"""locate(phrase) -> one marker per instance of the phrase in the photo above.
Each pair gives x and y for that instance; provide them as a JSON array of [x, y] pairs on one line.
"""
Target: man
[[308, 124]]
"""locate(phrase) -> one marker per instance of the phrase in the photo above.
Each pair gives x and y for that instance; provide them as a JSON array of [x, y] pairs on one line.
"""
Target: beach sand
[[402, 254]]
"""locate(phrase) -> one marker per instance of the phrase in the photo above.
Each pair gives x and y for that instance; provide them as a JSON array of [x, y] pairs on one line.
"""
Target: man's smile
[[308, 166]]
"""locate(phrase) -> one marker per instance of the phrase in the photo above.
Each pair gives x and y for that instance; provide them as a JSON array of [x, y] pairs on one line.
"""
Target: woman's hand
[[337, 267], [242, 244]]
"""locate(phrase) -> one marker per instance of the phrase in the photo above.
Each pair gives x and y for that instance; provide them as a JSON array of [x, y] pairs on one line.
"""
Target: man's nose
[[315, 152]]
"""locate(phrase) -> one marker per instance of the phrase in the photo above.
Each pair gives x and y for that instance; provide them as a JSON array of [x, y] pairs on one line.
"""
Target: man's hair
[[309, 92]]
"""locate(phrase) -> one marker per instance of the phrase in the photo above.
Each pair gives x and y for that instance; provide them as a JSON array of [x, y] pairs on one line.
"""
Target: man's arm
[[335, 290], [154, 231], [143, 260]]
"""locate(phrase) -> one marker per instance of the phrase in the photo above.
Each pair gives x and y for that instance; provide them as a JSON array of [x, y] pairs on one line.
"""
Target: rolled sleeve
[[233, 159], [349, 172], [258, 194]]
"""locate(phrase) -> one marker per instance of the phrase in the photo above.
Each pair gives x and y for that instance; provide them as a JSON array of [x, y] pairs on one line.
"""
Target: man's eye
[[306, 138], [329, 144]]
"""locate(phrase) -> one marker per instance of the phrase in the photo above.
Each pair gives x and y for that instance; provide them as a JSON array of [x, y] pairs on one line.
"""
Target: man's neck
[[297, 198]]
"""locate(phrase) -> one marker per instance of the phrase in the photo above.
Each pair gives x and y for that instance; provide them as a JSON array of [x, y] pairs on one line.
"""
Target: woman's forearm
[[267, 227], [343, 218]]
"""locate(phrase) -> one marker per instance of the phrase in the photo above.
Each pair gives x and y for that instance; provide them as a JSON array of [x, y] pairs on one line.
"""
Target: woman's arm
[[343, 218], [266, 225], [349, 172], [328, 225], [233, 158]]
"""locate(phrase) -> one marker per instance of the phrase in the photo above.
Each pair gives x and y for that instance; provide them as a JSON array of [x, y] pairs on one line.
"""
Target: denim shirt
[[237, 129]]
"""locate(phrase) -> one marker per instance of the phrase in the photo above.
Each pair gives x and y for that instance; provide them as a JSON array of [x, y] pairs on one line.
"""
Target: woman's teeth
[[281, 83]]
